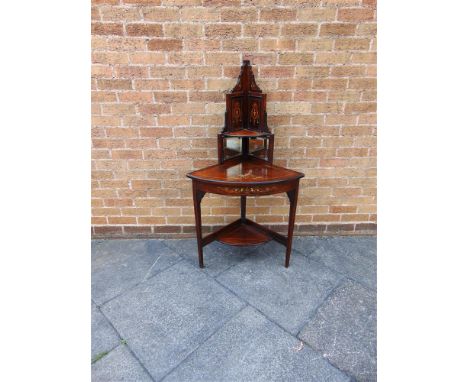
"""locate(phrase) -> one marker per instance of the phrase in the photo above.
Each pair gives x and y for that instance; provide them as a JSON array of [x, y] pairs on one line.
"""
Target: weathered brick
[[131, 71], [166, 73], [187, 84], [278, 14], [136, 96], [240, 44], [160, 14], [199, 14], [348, 71], [170, 96], [363, 83], [158, 102], [314, 45], [123, 14], [222, 31], [142, 29], [146, 58], [201, 44], [276, 44], [101, 96], [107, 29], [151, 84], [364, 107], [296, 59], [337, 29], [184, 58], [277, 71], [330, 83], [182, 30], [352, 44], [261, 30], [299, 30], [355, 14], [165, 44], [332, 58], [114, 84], [142, 2], [239, 14], [316, 14], [222, 58]]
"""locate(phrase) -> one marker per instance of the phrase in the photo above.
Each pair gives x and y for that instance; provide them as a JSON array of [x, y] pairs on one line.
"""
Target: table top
[[246, 133], [246, 171]]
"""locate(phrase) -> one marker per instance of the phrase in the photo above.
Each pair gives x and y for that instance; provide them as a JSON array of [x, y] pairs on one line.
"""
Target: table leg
[[292, 195], [243, 207], [197, 198]]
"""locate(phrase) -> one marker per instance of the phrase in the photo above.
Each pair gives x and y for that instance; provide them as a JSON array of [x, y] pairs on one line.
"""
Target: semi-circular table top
[[247, 171]]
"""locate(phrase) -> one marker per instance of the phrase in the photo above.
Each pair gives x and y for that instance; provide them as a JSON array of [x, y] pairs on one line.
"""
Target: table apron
[[245, 190]]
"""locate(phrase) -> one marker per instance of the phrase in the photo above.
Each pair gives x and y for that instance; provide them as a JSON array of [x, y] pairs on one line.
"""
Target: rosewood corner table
[[248, 172]]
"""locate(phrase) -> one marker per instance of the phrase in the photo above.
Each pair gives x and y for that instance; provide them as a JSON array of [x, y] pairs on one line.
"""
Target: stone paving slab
[[164, 319], [119, 265], [103, 336], [344, 331], [217, 257], [287, 295], [119, 366], [355, 257], [252, 348]]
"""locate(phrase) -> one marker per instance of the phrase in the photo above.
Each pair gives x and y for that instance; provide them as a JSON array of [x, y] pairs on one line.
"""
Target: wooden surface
[[243, 234], [251, 171], [246, 105], [245, 133], [245, 175]]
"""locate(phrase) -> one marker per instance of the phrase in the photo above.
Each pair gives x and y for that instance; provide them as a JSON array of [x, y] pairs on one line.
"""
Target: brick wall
[[159, 74]]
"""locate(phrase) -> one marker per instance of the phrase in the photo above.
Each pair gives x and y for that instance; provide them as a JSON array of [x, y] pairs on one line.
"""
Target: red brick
[[165, 44], [355, 14], [278, 14], [160, 14], [144, 30], [308, 30], [158, 102], [337, 29], [114, 84], [107, 29], [222, 31], [239, 14]]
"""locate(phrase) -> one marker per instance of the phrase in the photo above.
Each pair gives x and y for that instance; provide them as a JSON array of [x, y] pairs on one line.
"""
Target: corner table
[[244, 177], [245, 168]]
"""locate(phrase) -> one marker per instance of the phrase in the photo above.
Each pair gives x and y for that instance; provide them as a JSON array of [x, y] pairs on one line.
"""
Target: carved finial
[[246, 81], [246, 104]]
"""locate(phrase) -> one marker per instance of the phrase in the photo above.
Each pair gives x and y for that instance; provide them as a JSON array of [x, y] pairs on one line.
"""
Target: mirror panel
[[258, 147], [232, 147]]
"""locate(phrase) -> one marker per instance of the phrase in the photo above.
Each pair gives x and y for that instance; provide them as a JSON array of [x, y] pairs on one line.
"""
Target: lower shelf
[[243, 234]]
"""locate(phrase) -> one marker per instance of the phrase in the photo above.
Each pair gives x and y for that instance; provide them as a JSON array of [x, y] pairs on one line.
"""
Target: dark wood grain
[[245, 174], [250, 171]]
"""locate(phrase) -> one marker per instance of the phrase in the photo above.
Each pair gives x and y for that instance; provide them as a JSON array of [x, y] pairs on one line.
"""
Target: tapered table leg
[[243, 207], [197, 198], [292, 195]]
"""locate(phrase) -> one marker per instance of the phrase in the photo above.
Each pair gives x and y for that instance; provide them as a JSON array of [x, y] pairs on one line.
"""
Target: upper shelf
[[246, 171], [246, 133]]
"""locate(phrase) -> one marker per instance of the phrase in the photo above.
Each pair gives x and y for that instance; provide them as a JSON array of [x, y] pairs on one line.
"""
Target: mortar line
[[287, 332], [139, 283], [128, 347], [107, 353], [314, 312], [143, 280], [318, 261], [202, 343], [255, 308]]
